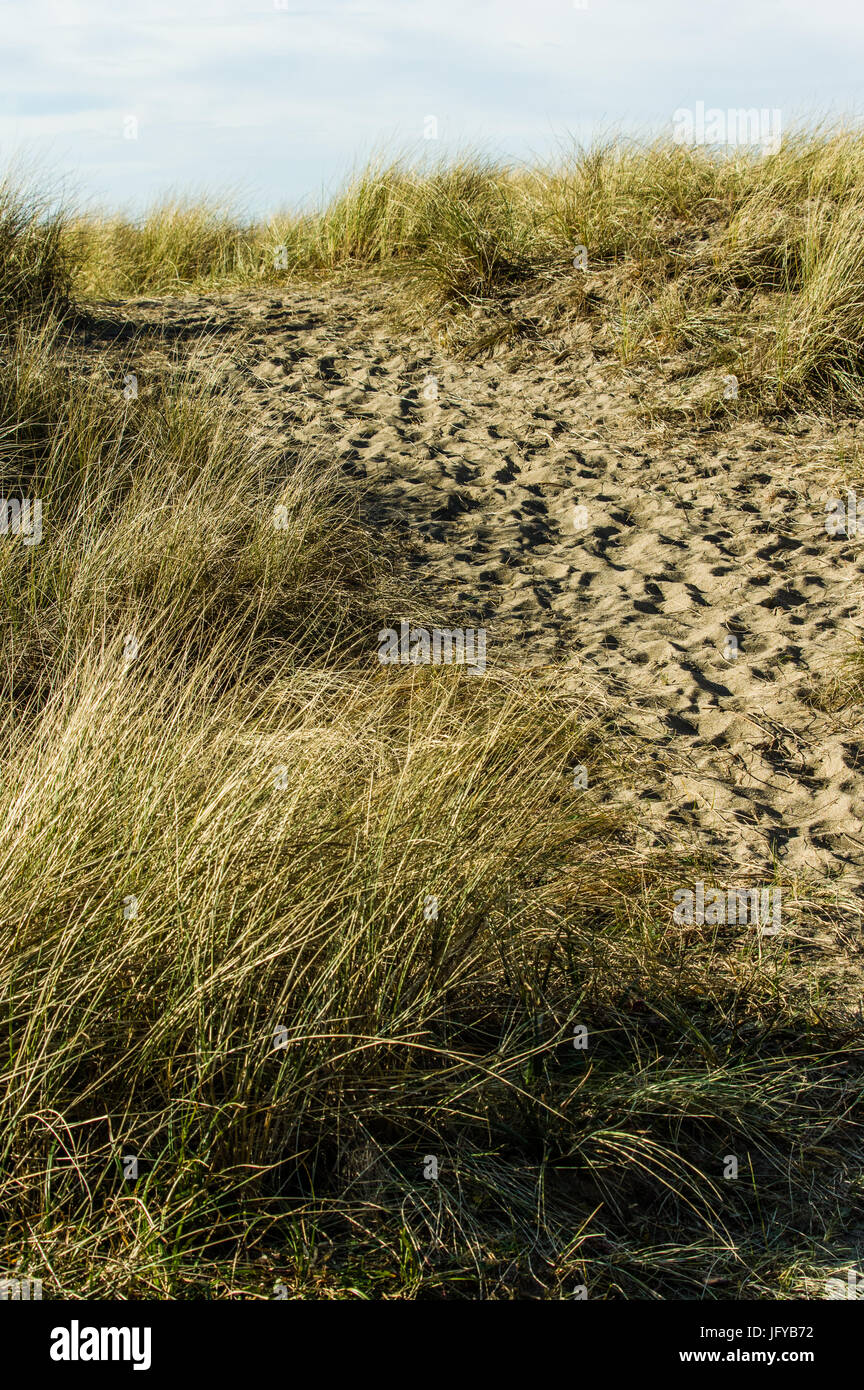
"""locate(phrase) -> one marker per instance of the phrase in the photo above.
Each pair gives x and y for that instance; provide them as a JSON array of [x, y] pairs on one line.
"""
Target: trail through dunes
[[681, 571]]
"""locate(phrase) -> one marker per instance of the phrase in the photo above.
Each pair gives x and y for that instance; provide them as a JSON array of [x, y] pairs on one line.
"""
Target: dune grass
[[312, 940], [751, 262]]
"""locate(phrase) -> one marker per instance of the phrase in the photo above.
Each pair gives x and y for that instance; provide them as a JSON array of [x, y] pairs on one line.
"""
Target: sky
[[269, 104]]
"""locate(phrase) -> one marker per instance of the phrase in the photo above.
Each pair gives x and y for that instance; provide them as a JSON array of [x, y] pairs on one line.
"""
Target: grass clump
[[220, 959], [35, 270]]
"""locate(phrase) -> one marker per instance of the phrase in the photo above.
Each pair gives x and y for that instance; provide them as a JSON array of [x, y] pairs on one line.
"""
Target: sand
[[621, 555]]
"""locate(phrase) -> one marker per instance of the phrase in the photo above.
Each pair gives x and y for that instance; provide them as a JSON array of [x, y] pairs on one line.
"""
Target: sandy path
[[686, 540]]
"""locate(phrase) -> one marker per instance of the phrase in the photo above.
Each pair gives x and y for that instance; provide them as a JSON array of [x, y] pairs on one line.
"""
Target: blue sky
[[271, 102]]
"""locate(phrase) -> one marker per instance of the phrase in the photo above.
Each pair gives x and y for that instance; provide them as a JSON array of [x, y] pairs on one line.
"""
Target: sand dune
[[623, 556]]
